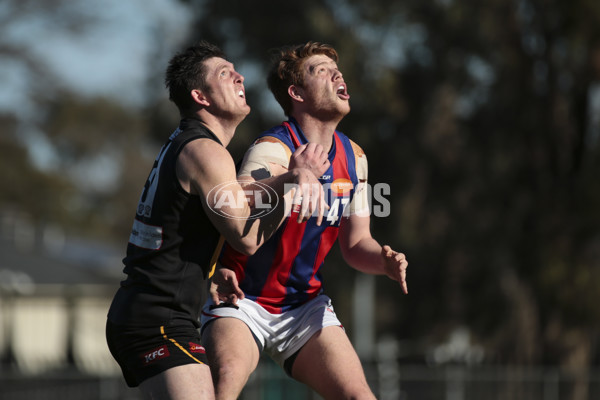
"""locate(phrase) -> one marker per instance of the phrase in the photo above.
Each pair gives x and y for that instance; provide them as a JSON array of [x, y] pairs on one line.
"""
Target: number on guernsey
[[147, 197], [334, 211]]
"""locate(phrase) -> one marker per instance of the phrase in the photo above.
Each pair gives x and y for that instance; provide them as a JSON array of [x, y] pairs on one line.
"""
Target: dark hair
[[187, 71], [286, 69]]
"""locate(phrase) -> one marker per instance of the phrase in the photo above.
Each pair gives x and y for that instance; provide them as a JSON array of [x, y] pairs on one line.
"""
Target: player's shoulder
[[277, 134], [267, 149], [275, 139], [359, 153], [269, 139], [361, 161], [204, 151], [203, 144], [356, 149]]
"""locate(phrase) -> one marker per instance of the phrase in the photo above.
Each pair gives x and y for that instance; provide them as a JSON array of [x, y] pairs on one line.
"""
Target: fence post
[[455, 383], [551, 384], [388, 371]]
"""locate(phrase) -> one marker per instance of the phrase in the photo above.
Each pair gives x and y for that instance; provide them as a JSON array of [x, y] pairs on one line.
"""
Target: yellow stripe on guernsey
[[162, 331], [215, 256]]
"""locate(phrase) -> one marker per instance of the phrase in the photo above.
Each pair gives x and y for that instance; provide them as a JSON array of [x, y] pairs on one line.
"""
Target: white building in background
[[54, 296]]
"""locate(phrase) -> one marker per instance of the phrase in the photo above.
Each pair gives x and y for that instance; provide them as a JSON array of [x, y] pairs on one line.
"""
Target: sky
[[89, 47], [101, 58]]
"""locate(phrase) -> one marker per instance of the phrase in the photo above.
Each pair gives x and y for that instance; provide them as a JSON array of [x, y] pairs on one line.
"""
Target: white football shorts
[[280, 335]]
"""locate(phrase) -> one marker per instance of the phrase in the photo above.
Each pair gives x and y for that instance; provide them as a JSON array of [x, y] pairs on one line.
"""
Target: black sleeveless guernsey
[[171, 245]]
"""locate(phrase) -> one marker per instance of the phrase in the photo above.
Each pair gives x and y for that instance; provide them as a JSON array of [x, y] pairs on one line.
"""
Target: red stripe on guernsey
[[340, 162], [326, 241], [234, 260], [292, 134], [275, 289], [328, 237]]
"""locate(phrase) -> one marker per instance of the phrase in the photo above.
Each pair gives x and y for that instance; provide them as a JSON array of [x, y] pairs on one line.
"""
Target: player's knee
[[228, 372], [229, 380]]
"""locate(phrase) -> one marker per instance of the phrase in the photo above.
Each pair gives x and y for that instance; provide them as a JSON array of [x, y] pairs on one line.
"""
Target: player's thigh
[[230, 344], [185, 382], [329, 364]]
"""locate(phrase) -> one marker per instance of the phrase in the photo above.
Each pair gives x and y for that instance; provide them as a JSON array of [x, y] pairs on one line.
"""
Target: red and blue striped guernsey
[[284, 272]]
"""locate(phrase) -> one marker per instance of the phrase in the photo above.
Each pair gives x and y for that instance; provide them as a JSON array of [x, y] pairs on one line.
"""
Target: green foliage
[[478, 115]]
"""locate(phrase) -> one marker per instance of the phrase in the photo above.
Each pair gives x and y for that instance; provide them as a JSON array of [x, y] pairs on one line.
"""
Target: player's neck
[[223, 128], [316, 130]]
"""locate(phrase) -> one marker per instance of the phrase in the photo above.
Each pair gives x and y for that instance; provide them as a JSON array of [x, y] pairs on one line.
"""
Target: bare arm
[[365, 254], [203, 165]]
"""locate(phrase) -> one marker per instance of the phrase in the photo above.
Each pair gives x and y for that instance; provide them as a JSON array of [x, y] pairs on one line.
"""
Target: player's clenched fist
[[311, 156]]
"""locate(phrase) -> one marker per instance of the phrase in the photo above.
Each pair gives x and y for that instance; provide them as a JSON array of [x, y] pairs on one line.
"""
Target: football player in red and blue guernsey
[[272, 300]]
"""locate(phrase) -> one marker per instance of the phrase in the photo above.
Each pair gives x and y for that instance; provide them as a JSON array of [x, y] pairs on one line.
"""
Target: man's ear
[[199, 97], [295, 93]]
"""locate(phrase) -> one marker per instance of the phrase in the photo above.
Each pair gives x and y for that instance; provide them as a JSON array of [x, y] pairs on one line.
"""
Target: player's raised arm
[[205, 165]]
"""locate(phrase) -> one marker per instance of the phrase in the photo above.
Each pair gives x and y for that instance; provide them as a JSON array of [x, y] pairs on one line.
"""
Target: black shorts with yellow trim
[[143, 352]]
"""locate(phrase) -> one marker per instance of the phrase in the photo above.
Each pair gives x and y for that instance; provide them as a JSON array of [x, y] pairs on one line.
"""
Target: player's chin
[[242, 112], [345, 108], [245, 108]]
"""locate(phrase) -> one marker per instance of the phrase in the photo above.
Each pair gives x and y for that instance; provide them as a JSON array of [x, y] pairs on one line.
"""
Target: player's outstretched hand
[[224, 287], [311, 156], [395, 266]]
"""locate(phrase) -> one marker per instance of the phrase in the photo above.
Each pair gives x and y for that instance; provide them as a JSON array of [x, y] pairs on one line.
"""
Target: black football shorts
[[143, 352]]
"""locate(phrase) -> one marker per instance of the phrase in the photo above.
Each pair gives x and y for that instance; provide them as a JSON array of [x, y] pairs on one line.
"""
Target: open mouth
[[342, 92], [242, 94]]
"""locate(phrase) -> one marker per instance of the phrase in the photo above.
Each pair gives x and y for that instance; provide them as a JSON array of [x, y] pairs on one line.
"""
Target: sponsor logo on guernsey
[[196, 348], [146, 236], [342, 186], [156, 354]]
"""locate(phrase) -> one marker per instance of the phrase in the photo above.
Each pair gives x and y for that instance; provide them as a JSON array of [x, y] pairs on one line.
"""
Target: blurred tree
[[22, 187], [104, 150], [483, 117], [71, 158]]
